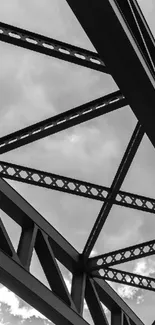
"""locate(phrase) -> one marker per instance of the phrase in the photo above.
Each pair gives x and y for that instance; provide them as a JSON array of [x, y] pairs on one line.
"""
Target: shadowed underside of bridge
[[126, 51]]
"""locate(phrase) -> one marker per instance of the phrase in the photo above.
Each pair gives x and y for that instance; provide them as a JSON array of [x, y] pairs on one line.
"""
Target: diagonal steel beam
[[121, 53], [117, 182], [26, 216], [112, 301], [122, 255], [74, 186], [21, 282], [51, 47], [140, 30], [62, 121], [128, 278]]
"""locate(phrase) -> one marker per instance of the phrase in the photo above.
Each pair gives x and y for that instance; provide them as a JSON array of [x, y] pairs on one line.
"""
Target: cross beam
[[74, 186], [117, 182], [122, 255], [51, 47], [128, 278], [62, 121]]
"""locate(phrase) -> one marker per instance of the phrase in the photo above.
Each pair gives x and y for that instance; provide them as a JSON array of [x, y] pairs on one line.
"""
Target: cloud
[[127, 292], [11, 300], [145, 267]]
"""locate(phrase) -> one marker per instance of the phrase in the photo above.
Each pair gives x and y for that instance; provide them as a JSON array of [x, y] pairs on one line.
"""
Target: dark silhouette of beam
[[122, 255], [115, 187], [74, 186], [106, 25], [51, 47], [112, 301], [62, 121], [128, 278]]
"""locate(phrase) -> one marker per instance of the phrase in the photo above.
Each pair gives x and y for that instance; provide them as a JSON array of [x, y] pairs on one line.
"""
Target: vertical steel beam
[[26, 245], [117, 317], [78, 290], [51, 269]]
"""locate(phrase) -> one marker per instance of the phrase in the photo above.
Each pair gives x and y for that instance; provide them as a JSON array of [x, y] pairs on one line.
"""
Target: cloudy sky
[[34, 87]]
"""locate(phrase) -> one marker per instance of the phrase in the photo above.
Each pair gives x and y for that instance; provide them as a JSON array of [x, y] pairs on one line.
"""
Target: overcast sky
[[34, 87]]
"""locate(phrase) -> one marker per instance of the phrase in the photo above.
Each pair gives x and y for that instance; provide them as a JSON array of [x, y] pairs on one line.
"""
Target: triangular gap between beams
[[66, 274], [37, 271], [12, 228]]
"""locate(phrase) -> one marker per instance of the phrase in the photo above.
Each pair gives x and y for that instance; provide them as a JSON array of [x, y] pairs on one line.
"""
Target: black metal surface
[[58, 305], [143, 36], [112, 301], [126, 50], [62, 121], [26, 216], [48, 46], [117, 182], [128, 278], [74, 186], [78, 289], [17, 279], [120, 52], [122, 255], [94, 304]]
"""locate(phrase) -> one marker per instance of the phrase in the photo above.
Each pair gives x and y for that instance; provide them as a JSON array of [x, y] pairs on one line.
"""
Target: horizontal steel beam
[[25, 215], [112, 301], [51, 47], [74, 186], [128, 278], [121, 256], [105, 20], [62, 121], [27, 287]]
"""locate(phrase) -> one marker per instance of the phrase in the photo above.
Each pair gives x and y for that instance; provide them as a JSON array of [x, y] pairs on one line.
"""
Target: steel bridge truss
[[134, 73]]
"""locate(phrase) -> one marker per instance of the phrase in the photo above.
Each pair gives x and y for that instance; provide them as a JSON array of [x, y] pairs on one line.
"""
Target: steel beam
[[122, 255], [78, 289], [117, 317], [117, 182], [112, 301], [108, 30], [51, 47], [22, 283], [26, 216], [128, 278], [26, 245], [94, 304], [139, 29], [62, 121], [74, 186]]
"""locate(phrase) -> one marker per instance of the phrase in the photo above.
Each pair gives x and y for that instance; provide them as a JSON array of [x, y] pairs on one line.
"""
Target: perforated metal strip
[[51, 47], [127, 278], [62, 121], [122, 255]]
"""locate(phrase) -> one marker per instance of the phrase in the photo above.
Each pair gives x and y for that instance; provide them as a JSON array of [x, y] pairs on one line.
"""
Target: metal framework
[[133, 69]]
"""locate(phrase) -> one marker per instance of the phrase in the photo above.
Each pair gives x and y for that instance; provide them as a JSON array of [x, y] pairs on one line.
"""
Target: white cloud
[[10, 299], [145, 267], [127, 292]]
